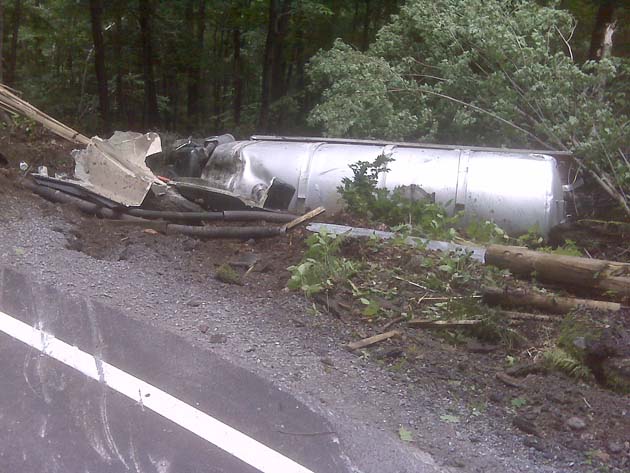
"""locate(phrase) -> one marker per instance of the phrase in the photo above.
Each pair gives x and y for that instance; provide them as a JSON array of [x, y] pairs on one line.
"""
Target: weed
[[408, 209], [225, 273], [518, 402], [322, 266]]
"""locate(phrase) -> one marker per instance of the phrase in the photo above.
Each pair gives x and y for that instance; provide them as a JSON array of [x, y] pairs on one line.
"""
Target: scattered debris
[[445, 324], [366, 342]]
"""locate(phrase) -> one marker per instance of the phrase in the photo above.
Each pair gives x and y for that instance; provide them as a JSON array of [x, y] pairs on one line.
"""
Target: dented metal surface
[[516, 190]]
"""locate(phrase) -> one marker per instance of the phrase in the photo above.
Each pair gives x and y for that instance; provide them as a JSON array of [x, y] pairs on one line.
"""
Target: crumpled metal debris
[[115, 168]]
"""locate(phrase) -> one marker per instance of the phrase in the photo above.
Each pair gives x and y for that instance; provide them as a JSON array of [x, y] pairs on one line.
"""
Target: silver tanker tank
[[516, 189]]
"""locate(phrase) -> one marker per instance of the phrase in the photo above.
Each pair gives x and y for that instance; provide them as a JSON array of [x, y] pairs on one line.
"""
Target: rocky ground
[[421, 392]]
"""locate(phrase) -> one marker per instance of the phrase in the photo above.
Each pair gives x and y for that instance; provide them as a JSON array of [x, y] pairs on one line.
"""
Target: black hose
[[199, 231]]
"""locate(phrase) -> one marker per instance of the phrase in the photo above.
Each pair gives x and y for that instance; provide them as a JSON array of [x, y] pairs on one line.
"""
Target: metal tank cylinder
[[516, 190]]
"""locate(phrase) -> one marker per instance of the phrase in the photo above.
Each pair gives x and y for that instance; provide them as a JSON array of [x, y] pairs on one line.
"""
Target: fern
[[559, 360]]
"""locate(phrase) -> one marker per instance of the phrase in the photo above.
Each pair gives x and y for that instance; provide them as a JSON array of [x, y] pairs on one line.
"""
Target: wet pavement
[[55, 418]]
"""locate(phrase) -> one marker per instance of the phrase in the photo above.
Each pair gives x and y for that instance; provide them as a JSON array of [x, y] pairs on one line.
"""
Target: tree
[[603, 21], [481, 72], [196, 53], [96, 16], [11, 62], [151, 116], [1, 39]]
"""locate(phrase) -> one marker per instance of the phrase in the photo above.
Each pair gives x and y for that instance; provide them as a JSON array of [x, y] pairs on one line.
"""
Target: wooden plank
[[303, 218]]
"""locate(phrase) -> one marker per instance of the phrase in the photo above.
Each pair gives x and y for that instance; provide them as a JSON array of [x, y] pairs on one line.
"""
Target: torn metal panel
[[115, 168], [477, 253], [518, 191]]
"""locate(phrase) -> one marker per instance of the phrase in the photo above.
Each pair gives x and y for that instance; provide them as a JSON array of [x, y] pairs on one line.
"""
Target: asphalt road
[[56, 418]]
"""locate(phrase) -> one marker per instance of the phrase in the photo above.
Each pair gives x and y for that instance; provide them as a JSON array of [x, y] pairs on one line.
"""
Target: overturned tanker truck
[[516, 189]]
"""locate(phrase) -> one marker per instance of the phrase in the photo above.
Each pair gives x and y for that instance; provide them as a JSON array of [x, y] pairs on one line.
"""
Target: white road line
[[208, 428]]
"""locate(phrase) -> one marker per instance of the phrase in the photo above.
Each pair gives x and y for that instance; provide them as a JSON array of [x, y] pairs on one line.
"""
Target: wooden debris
[[10, 102], [526, 316], [566, 270], [511, 297], [508, 380], [429, 323], [366, 342], [303, 218]]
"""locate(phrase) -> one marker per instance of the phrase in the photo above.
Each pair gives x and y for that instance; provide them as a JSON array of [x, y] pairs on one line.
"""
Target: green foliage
[[225, 273], [486, 232], [365, 200], [321, 267], [518, 402], [405, 435], [560, 360], [485, 72]]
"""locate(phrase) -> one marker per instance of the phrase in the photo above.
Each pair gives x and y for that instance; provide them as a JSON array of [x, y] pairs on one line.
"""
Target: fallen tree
[[569, 271]]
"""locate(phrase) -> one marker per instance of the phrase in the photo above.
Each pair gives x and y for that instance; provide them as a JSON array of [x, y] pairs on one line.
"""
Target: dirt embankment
[[567, 424]]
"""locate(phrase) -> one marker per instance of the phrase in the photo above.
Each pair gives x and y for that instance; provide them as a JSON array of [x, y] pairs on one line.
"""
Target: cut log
[[366, 342], [512, 297], [428, 323], [572, 271]]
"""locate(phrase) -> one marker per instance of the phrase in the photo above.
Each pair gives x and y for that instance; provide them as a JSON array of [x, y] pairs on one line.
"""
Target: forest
[[520, 73]]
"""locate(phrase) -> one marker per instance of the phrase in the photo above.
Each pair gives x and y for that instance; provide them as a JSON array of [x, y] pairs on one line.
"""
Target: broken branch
[[366, 342], [428, 323]]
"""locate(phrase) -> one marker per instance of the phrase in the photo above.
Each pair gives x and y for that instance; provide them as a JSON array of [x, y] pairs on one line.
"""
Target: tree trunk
[[15, 31], [604, 18], [96, 16], [196, 53], [1, 39], [265, 94], [218, 82], [118, 51], [151, 116], [278, 64], [365, 42], [237, 80], [569, 271]]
